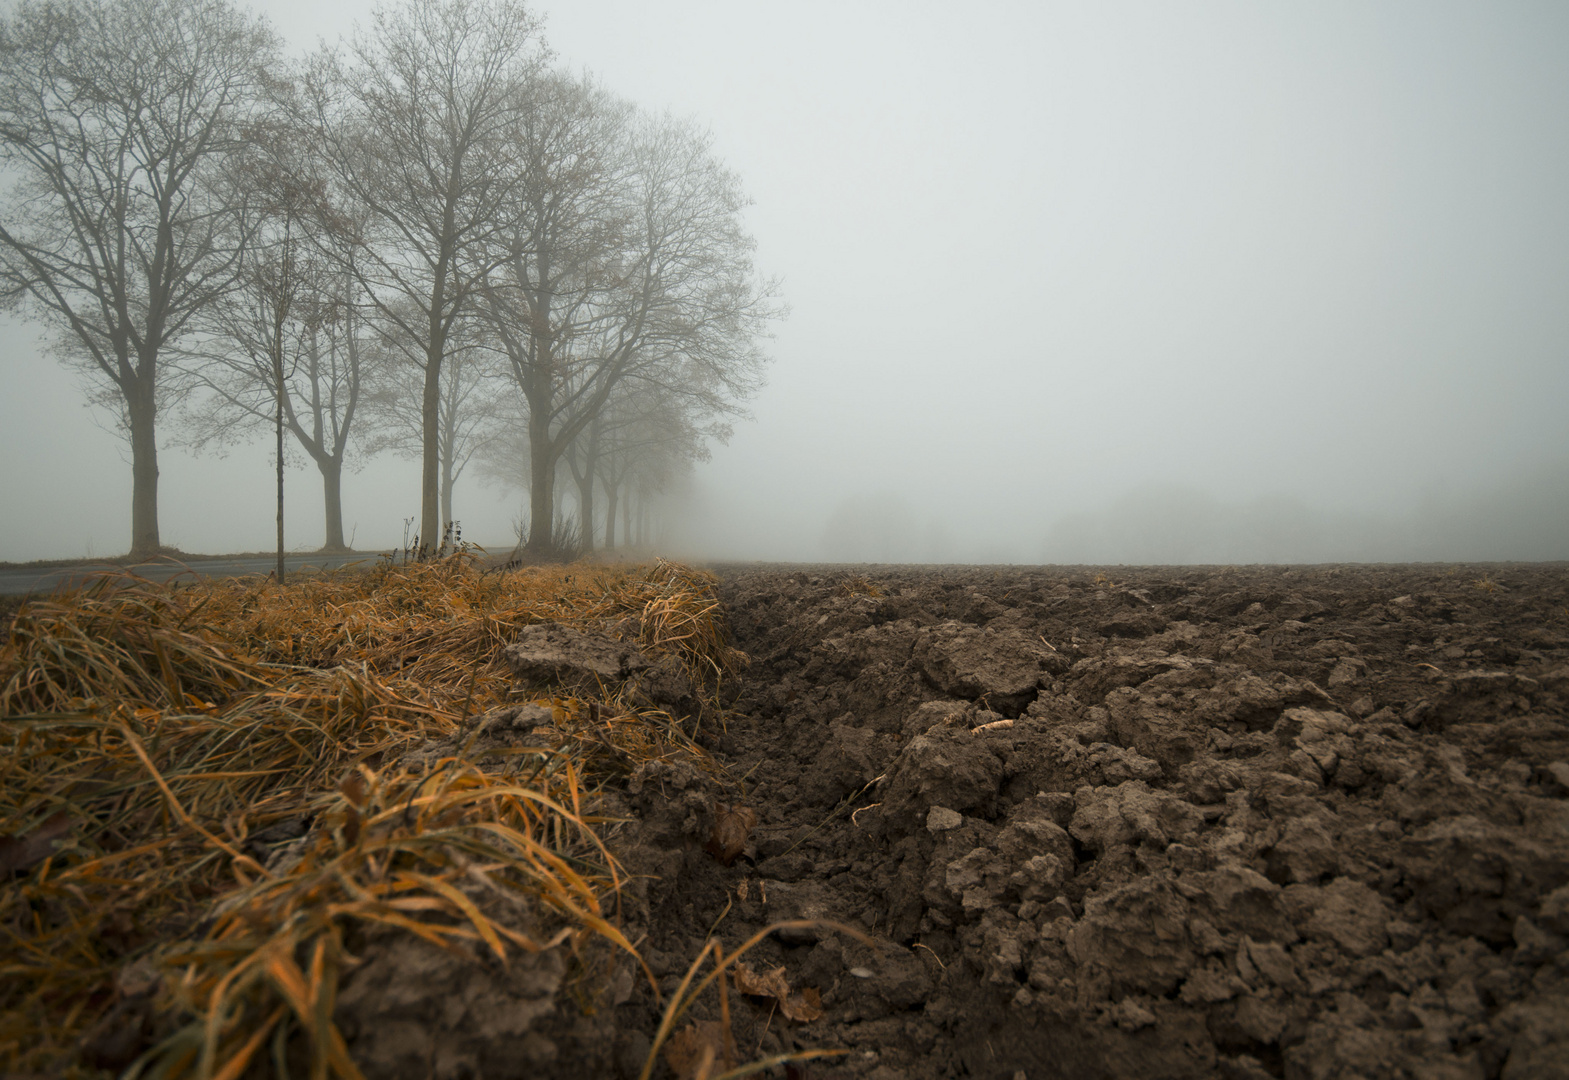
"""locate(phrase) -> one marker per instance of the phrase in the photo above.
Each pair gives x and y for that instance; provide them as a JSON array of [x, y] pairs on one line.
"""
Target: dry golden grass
[[148, 733], [702, 1048], [857, 585]]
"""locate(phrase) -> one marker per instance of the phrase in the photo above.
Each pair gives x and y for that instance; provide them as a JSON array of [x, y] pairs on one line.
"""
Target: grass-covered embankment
[[207, 804]]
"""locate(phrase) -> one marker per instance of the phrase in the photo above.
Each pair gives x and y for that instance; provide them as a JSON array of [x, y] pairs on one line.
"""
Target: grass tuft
[[211, 795]]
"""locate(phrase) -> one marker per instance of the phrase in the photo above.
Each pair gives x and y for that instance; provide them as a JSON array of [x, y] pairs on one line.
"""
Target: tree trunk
[[430, 459], [446, 490], [279, 391], [542, 476], [332, 489], [585, 511], [586, 486], [610, 516], [140, 411]]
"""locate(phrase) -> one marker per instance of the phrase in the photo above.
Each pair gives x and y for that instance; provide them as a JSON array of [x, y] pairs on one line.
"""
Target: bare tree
[[415, 120], [629, 265], [648, 437], [286, 343], [327, 391], [641, 437], [324, 351], [466, 417], [559, 259], [582, 459], [116, 228], [261, 312]]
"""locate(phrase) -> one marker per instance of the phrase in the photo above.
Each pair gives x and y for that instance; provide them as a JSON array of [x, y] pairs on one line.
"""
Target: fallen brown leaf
[[803, 1008], [769, 984], [732, 826], [692, 1051]]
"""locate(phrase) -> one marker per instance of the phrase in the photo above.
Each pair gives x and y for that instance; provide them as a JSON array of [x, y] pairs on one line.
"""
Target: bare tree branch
[[119, 227]]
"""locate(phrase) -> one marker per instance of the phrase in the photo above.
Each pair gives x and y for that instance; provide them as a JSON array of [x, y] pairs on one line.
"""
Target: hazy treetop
[[1039, 256]]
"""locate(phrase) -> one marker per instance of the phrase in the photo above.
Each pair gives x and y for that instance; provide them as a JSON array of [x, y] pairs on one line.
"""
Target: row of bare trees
[[430, 229]]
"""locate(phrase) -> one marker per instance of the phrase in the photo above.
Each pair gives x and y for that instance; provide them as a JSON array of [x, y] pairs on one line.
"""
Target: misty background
[[1121, 283]]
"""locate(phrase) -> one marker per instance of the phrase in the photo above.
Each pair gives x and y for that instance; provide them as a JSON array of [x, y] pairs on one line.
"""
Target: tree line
[[431, 239]]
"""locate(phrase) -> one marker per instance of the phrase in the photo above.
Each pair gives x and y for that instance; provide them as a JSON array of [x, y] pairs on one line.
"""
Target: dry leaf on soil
[[803, 1008], [732, 826], [693, 1051]]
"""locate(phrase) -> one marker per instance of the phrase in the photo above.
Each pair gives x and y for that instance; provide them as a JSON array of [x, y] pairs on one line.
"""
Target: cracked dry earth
[[1193, 822]]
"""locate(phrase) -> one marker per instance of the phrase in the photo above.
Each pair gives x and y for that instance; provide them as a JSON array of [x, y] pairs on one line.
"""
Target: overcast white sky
[[1039, 257]]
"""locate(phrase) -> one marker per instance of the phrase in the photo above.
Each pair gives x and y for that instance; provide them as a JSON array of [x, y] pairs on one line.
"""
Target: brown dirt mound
[[1189, 822]]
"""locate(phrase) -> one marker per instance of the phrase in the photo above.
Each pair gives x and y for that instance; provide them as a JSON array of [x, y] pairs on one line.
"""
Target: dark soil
[[1190, 822], [1176, 822]]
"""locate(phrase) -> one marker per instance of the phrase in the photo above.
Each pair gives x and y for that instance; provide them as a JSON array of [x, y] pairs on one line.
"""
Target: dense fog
[[1129, 283]]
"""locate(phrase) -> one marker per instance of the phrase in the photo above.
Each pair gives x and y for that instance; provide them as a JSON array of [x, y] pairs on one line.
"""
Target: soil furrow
[[1173, 822]]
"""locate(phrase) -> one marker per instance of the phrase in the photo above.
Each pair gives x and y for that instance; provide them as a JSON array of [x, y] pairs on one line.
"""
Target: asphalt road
[[20, 582]]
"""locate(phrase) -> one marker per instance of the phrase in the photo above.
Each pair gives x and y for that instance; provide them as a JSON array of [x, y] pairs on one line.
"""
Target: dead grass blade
[[230, 708], [688, 992]]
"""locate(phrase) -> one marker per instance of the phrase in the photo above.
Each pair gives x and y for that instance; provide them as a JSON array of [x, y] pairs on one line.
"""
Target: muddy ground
[[1173, 822]]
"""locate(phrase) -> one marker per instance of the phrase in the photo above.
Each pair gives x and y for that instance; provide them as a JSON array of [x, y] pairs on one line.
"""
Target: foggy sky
[[1079, 282]]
